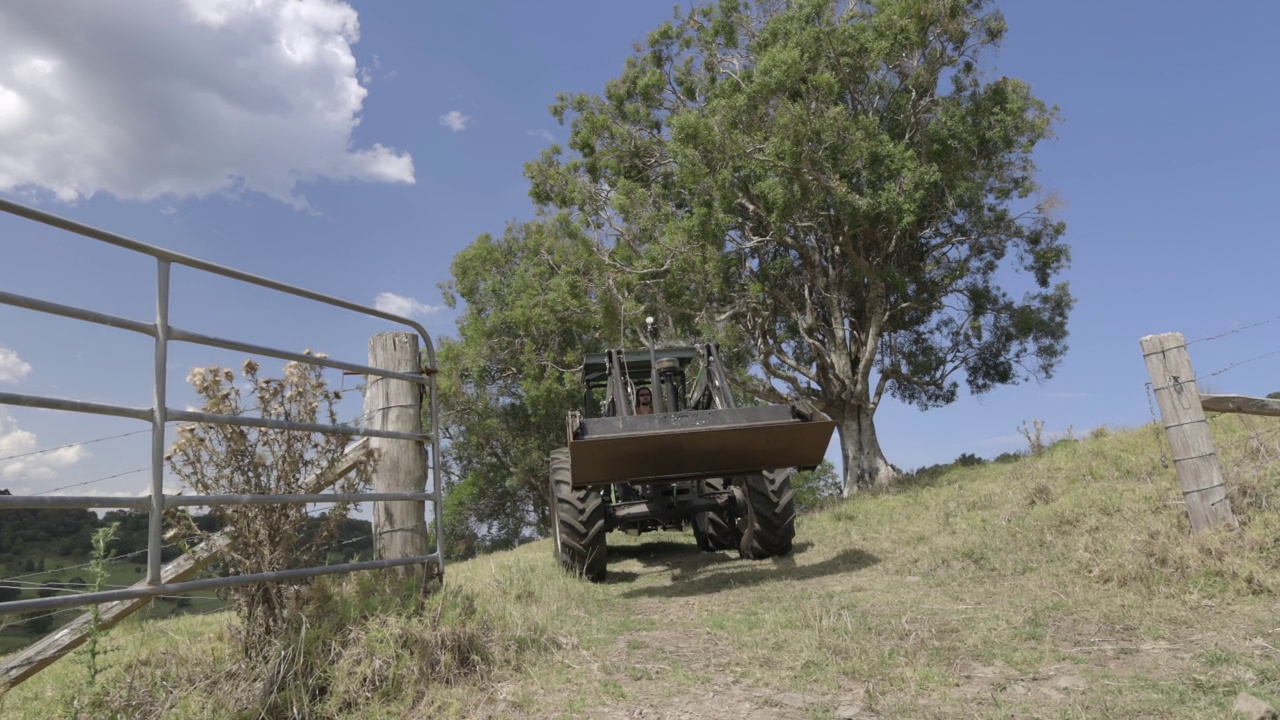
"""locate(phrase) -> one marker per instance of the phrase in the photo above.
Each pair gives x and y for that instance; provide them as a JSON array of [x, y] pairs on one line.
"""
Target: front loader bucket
[[697, 443]]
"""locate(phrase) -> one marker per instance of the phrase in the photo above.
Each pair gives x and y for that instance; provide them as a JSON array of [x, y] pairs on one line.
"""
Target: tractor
[[651, 450]]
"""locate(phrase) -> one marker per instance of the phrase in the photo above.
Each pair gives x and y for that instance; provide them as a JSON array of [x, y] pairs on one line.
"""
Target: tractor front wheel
[[767, 516], [578, 522]]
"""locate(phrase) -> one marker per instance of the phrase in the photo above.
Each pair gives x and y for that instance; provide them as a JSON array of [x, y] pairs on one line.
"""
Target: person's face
[[644, 399]]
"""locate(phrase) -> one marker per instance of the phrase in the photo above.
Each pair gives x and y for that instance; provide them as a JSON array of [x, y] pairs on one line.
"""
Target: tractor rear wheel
[[768, 521], [715, 530], [578, 522]]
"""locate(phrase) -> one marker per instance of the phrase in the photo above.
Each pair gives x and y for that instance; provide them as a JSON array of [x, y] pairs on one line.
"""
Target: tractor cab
[[664, 373]]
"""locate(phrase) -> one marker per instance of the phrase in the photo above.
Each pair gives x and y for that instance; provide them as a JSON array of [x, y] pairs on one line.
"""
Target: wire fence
[[23, 583], [1246, 446]]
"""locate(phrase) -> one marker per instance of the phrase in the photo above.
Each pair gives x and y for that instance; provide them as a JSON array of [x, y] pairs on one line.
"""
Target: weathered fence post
[[399, 526], [1190, 441]]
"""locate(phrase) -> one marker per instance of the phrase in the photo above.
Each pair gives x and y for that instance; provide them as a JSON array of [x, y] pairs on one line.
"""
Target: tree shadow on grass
[[617, 577], [685, 584]]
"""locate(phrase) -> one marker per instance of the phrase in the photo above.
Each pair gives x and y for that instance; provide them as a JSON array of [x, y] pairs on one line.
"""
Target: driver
[[644, 401]]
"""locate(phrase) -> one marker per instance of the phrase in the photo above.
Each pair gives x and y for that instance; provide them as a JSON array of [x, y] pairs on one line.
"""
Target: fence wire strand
[[71, 445], [1250, 326], [91, 482]]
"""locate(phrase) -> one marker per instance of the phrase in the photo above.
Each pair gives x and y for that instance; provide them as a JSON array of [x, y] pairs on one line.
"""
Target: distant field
[[16, 634]]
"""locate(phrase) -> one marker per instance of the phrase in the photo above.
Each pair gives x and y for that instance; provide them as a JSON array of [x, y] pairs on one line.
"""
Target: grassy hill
[[1059, 586]]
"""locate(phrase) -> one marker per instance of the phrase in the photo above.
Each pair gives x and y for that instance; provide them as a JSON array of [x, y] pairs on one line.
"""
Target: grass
[[1059, 586]]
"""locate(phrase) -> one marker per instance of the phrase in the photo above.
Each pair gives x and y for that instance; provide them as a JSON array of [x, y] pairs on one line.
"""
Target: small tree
[[227, 459], [837, 190], [816, 488]]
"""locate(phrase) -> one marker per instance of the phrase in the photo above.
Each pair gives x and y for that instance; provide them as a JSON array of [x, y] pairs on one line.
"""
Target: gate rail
[[159, 415]]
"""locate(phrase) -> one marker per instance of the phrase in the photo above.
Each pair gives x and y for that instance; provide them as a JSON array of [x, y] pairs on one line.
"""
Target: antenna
[[653, 366]]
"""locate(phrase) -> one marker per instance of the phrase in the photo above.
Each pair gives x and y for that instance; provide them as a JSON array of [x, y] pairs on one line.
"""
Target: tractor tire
[[578, 522], [768, 523], [715, 531]]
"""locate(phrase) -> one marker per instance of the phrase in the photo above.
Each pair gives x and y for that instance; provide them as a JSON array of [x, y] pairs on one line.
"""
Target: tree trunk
[[864, 463]]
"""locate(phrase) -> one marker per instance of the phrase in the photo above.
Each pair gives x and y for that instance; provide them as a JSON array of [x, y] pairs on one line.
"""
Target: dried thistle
[[226, 459]]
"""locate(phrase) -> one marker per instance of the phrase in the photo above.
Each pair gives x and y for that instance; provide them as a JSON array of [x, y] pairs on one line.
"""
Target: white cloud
[[12, 367], [370, 73], [14, 440], [544, 134], [44, 466], [454, 120], [156, 98], [403, 306]]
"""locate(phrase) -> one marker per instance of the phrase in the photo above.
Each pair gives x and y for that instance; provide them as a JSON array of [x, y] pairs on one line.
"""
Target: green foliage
[[816, 489], [68, 530], [533, 308], [925, 475], [832, 188]]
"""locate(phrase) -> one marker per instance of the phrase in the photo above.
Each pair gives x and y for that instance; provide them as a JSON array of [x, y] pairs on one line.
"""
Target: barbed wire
[[71, 445], [1178, 381], [1233, 332], [117, 558], [95, 480], [181, 543], [10, 623], [147, 627], [1235, 365], [58, 586], [359, 419]]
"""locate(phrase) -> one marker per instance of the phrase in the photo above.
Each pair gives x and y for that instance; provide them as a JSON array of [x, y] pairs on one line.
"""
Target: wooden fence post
[[1194, 456], [399, 526]]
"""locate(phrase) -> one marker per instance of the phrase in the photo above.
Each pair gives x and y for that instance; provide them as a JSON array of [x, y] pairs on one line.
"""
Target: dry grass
[[1060, 586]]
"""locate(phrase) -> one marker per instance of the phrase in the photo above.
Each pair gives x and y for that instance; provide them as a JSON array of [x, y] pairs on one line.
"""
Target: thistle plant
[[228, 459], [99, 559]]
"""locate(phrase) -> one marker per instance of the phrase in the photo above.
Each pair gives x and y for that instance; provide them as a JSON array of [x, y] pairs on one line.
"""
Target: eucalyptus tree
[[834, 188]]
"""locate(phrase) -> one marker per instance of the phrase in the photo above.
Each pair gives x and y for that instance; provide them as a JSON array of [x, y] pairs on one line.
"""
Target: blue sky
[[182, 126]]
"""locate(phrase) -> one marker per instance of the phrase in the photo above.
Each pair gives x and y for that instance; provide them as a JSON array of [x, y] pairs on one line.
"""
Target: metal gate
[[159, 415]]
